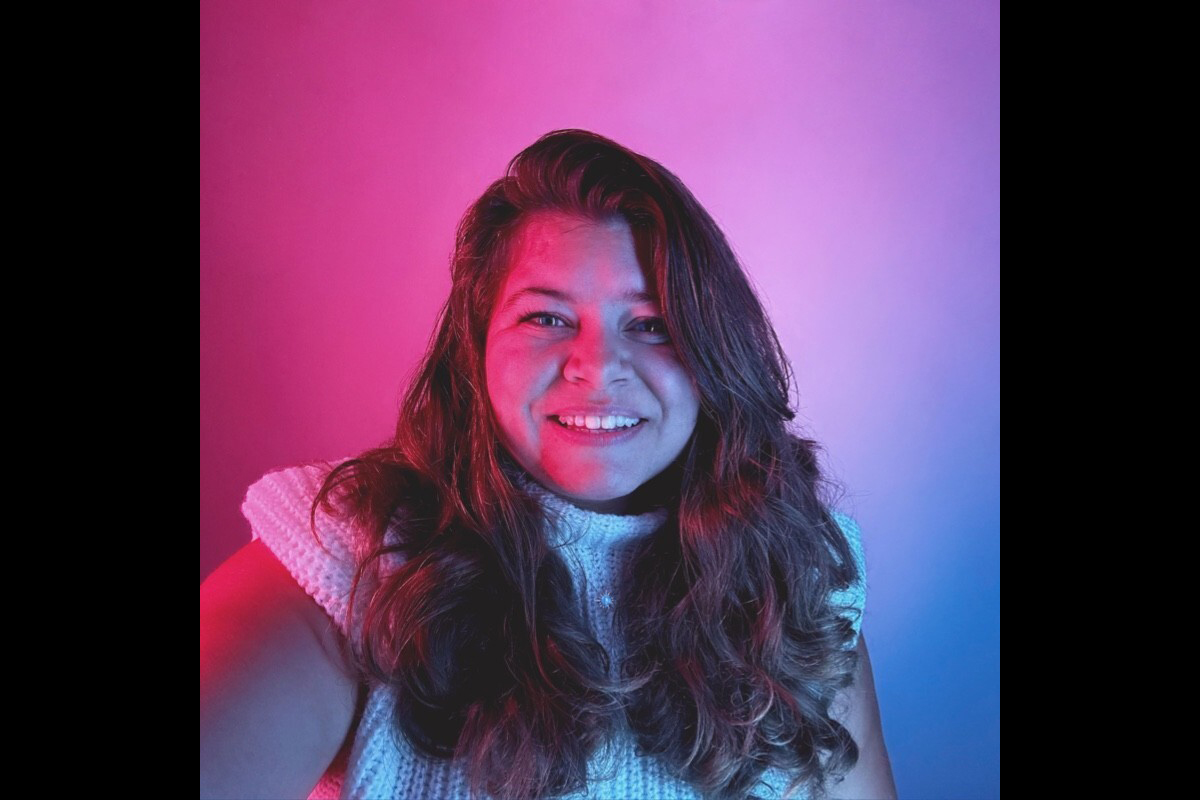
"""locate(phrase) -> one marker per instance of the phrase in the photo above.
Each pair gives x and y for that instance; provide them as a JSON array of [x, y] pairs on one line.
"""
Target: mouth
[[597, 425], [592, 433]]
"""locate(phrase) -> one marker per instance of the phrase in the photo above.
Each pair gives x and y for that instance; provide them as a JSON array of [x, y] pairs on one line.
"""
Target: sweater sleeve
[[852, 600], [278, 508]]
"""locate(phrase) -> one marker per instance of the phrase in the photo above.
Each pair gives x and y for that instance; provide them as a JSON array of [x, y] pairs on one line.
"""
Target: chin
[[594, 491]]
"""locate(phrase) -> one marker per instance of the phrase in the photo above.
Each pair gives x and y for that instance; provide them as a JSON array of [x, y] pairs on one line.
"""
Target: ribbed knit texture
[[380, 767]]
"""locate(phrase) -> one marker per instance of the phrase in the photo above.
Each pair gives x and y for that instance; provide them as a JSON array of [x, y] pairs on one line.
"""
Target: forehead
[[567, 250]]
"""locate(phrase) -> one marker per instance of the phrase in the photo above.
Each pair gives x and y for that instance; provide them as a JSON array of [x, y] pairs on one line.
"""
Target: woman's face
[[577, 351]]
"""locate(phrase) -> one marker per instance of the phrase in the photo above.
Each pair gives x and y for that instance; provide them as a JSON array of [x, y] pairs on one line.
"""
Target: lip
[[597, 411], [588, 439]]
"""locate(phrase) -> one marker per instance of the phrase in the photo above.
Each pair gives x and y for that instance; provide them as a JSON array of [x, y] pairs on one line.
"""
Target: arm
[[858, 710], [276, 701]]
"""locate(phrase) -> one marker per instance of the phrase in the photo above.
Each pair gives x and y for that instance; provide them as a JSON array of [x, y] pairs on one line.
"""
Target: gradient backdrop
[[850, 150]]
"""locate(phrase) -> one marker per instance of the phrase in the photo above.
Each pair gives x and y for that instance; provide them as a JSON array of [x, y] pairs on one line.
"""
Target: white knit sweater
[[379, 766]]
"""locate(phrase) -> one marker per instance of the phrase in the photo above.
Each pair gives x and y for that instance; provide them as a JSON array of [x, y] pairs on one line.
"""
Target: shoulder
[[285, 493], [853, 536], [321, 560], [252, 588], [852, 601]]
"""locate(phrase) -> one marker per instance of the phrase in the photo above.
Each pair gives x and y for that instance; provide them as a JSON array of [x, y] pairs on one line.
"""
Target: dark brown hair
[[735, 650]]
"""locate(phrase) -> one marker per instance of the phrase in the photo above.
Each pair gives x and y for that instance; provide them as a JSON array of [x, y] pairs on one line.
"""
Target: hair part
[[733, 660]]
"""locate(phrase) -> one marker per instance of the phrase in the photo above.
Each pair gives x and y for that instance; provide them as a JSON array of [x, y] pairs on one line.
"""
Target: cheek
[[506, 407], [499, 380], [516, 377], [673, 384]]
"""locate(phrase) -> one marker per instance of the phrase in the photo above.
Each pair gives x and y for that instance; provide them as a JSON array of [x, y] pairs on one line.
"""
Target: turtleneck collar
[[575, 524]]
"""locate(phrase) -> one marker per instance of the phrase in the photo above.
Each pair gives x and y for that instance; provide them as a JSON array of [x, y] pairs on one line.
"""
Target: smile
[[598, 436], [597, 424]]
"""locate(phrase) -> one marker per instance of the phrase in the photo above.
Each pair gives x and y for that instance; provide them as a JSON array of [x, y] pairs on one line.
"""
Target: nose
[[597, 357]]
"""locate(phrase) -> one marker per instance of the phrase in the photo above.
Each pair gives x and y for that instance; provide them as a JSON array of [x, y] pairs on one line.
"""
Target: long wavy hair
[[734, 649]]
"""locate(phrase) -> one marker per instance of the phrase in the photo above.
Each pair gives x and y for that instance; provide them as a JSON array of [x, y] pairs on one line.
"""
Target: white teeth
[[597, 423]]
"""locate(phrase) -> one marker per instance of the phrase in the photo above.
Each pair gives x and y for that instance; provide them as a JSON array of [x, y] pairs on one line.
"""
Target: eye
[[653, 325], [544, 319]]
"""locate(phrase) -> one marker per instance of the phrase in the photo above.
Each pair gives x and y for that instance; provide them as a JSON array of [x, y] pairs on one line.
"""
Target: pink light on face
[[576, 334]]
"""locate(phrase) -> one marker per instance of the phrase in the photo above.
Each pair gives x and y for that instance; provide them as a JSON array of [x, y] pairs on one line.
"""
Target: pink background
[[849, 149]]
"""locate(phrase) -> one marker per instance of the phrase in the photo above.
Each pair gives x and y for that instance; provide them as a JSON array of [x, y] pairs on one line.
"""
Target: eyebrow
[[629, 296]]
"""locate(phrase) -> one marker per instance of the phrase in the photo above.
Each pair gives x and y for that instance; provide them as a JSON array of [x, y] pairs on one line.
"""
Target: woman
[[593, 558]]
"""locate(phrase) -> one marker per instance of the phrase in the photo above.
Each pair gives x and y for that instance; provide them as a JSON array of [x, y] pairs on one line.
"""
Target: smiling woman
[[593, 561], [587, 391]]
